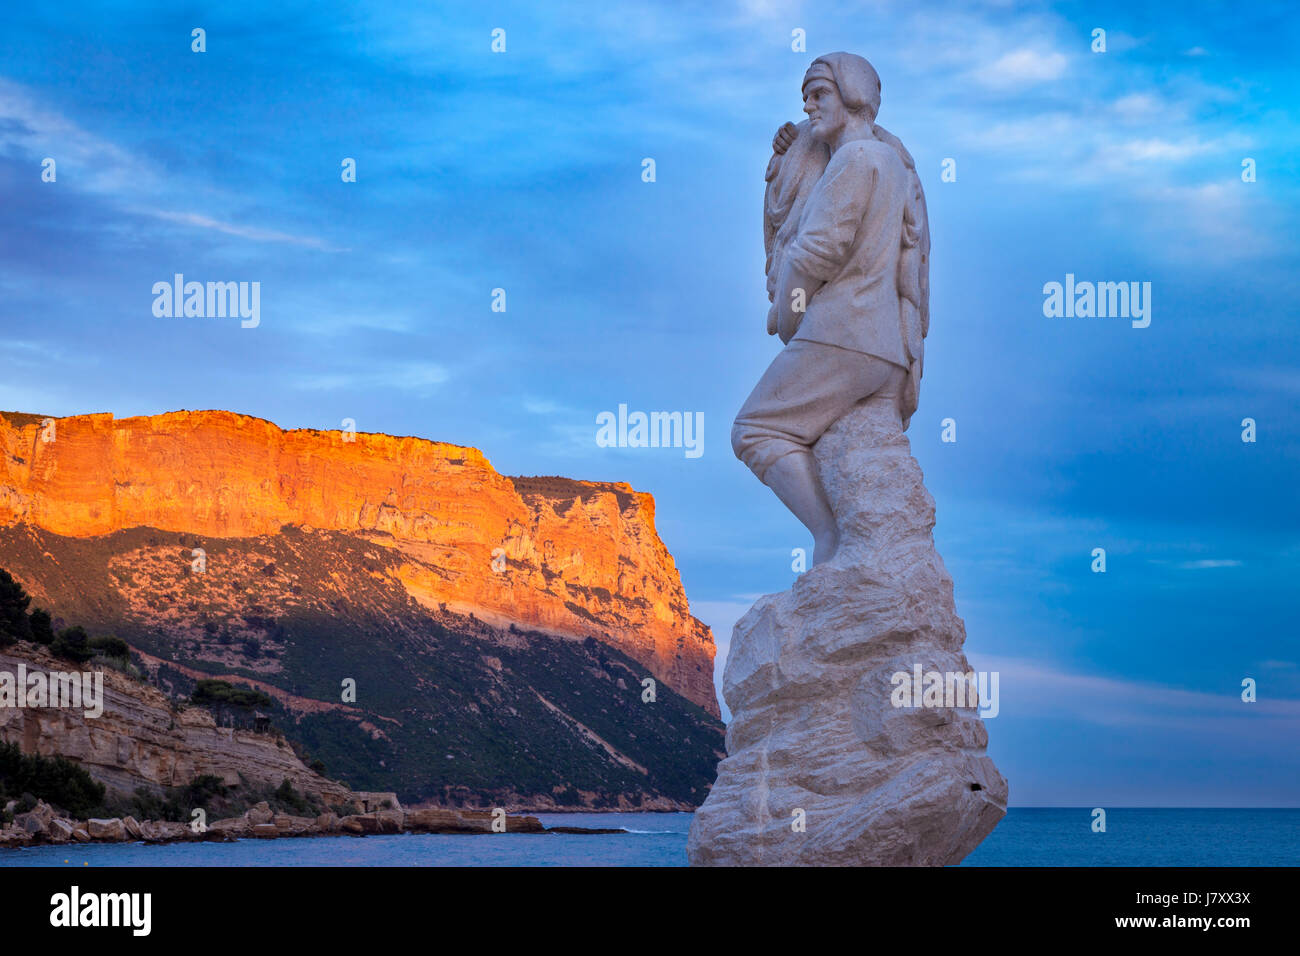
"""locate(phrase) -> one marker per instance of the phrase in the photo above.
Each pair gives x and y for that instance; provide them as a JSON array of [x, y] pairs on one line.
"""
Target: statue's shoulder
[[869, 154]]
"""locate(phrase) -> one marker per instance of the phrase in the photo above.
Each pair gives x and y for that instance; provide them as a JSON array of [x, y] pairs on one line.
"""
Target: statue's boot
[[794, 479]]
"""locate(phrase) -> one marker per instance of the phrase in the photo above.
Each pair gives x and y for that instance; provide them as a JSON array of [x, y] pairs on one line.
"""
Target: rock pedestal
[[809, 681]]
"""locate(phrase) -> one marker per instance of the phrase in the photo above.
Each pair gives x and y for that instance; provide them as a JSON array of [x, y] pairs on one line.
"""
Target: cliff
[[424, 625], [142, 739], [580, 558]]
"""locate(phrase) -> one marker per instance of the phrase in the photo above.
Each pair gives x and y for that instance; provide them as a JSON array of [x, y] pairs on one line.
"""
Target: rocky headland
[[418, 623]]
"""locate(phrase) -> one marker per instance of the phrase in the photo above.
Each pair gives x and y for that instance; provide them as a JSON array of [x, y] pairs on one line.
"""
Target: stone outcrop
[[110, 830], [42, 824], [572, 558], [143, 740], [822, 768]]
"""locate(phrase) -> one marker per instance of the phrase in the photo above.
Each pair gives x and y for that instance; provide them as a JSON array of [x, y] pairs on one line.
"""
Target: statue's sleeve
[[833, 215]]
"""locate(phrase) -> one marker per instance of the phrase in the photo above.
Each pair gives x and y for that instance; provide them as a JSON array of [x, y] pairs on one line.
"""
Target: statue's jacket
[[849, 236]]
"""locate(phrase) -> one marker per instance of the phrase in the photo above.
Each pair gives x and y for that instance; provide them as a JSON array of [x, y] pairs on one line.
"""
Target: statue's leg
[[794, 479], [804, 391]]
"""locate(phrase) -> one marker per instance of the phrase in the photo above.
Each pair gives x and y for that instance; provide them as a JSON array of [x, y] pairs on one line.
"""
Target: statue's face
[[827, 113]]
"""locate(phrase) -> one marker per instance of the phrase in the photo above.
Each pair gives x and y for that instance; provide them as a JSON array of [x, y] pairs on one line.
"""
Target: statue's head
[[840, 91]]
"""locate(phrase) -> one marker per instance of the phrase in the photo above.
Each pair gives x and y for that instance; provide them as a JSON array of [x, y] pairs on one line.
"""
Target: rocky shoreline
[[44, 825]]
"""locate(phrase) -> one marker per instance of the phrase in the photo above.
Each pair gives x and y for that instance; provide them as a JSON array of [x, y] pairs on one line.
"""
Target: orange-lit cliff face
[[569, 557]]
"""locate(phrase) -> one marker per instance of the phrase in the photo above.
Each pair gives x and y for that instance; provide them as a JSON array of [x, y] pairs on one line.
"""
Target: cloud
[[32, 130], [1208, 564], [1140, 106], [1023, 67], [243, 232], [1143, 150], [412, 376], [540, 406], [1032, 688], [90, 163]]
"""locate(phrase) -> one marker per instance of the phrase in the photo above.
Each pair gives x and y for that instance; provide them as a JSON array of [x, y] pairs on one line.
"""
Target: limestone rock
[[59, 831], [109, 830], [259, 814], [235, 827], [31, 823], [808, 682], [162, 831], [376, 800], [14, 836], [584, 558], [380, 821], [142, 739], [37, 820], [437, 820], [289, 824]]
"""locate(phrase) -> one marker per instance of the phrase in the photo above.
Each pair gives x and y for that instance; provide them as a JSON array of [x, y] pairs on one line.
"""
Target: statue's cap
[[853, 76]]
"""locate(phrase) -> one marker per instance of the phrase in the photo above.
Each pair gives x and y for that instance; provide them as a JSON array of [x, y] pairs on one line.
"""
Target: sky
[[523, 170]]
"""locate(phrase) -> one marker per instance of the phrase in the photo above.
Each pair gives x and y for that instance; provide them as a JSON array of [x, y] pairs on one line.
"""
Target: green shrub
[[73, 644], [202, 789], [111, 647], [289, 800], [222, 693], [55, 780], [42, 626], [14, 625]]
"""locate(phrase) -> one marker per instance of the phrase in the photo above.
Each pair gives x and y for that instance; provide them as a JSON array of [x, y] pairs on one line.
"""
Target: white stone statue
[[848, 250], [825, 766]]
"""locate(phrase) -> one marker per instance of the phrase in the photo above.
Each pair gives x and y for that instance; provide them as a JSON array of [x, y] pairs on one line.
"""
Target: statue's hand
[[784, 137]]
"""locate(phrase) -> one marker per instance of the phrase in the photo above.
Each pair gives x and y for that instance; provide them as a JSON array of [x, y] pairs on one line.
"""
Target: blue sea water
[[1026, 837]]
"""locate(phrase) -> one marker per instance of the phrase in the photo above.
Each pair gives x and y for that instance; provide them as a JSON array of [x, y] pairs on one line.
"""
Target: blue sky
[[522, 171]]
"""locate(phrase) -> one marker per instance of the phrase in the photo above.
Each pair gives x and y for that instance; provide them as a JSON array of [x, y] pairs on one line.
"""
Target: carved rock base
[[808, 682]]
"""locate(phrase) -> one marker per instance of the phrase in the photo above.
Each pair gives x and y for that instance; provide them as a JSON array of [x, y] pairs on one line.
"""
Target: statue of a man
[[848, 250]]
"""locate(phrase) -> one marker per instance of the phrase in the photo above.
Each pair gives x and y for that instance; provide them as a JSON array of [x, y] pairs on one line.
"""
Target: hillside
[[498, 630]]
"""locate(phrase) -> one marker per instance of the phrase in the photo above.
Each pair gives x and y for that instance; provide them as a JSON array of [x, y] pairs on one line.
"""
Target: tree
[[73, 644], [42, 626], [111, 646], [53, 779], [14, 625]]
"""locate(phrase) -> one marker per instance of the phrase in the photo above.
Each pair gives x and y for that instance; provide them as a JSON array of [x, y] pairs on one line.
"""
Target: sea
[[1027, 836]]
